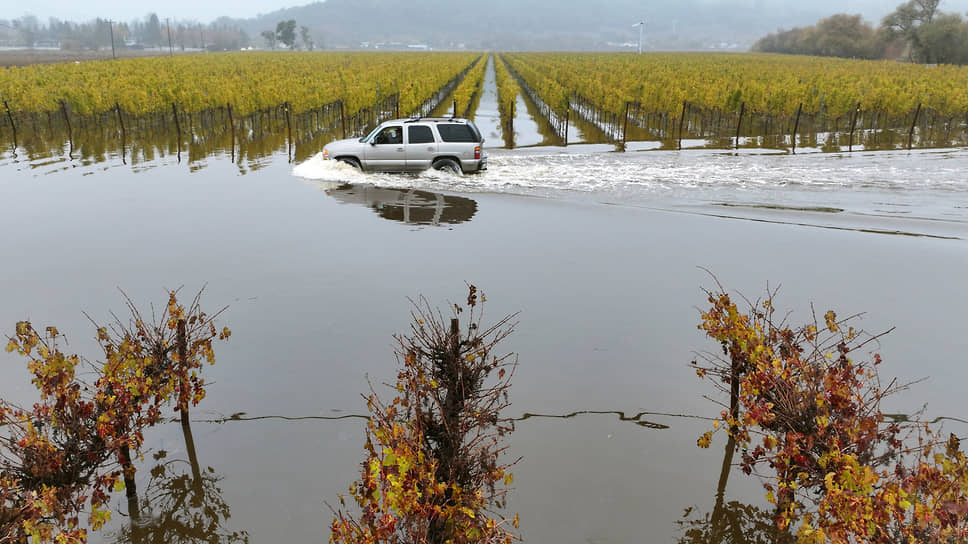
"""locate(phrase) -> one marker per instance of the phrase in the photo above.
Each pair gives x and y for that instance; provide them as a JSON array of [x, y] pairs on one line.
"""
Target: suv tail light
[[477, 152]]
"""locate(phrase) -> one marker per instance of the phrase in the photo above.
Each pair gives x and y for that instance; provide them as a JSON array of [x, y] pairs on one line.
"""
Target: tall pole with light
[[641, 25]]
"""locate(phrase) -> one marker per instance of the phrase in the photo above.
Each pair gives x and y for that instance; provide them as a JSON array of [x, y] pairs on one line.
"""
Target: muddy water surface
[[599, 252]]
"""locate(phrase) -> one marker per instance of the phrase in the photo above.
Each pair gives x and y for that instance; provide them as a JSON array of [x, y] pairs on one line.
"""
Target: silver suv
[[412, 145]]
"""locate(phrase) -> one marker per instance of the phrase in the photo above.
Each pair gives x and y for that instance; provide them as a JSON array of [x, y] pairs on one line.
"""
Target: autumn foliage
[[63, 456], [433, 472], [805, 411]]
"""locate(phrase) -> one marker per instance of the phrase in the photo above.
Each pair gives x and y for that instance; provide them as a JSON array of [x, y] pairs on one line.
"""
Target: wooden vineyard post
[[342, 117], [796, 126], [455, 108], [174, 113], [853, 125], [70, 132], [231, 129], [181, 344], [289, 128], [913, 123], [682, 119], [13, 126], [739, 124], [130, 485], [117, 108], [510, 128], [625, 126], [567, 116]]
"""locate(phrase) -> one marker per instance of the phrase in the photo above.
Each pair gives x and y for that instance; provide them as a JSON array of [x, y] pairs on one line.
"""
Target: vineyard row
[[546, 83], [333, 118]]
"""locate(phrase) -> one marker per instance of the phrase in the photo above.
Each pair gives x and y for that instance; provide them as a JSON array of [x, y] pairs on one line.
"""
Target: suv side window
[[454, 132], [420, 135], [389, 135]]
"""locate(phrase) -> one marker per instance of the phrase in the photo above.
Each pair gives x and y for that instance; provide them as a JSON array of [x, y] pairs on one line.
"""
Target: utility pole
[[168, 24], [111, 27]]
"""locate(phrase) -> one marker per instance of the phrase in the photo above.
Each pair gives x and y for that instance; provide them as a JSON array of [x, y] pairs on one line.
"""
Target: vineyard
[[235, 96], [712, 96], [256, 103], [507, 96], [467, 94]]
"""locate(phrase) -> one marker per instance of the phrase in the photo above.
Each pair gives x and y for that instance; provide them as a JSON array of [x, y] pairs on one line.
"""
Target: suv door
[[421, 147], [385, 150]]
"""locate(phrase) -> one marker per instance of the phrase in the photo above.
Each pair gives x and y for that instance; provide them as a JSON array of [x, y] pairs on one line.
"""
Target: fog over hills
[[480, 24], [559, 24]]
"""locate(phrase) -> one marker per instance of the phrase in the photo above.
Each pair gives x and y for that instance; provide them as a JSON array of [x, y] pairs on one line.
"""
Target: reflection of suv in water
[[412, 145]]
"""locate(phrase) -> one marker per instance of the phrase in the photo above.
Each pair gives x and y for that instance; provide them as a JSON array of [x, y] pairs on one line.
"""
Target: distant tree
[[306, 38], [286, 33], [944, 40], [839, 35], [845, 36], [152, 31], [905, 21], [226, 39], [783, 41], [28, 28], [270, 38]]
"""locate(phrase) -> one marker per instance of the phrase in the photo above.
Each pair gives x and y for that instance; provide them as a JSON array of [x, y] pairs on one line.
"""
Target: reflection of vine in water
[[251, 143], [622, 416], [731, 522], [636, 418], [180, 505]]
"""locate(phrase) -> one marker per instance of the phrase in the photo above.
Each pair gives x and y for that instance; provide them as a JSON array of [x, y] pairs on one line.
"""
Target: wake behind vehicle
[[412, 145]]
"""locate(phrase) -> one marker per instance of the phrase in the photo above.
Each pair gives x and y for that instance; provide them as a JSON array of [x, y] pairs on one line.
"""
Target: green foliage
[[926, 34], [250, 81], [944, 40], [270, 38], [467, 93], [306, 38], [807, 410], [841, 35], [286, 33], [432, 470], [773, 85], [507, 96]]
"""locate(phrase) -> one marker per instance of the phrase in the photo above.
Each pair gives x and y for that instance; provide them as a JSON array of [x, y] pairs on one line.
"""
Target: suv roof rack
[[435, 119]]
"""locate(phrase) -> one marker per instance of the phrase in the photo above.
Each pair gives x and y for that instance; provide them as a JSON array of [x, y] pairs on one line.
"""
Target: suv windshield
[[370, 135]]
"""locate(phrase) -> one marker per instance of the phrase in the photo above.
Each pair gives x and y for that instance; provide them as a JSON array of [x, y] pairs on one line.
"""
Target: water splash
[[924, 184]]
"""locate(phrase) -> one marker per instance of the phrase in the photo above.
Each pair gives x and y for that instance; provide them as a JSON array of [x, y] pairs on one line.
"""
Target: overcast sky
[[122, 10], [202, 11]]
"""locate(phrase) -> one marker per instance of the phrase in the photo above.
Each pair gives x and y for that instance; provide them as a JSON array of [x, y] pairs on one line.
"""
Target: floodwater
[[603, 254]]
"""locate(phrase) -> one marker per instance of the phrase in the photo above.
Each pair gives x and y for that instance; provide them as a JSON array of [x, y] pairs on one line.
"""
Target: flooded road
[[603, 253], [916, 193], [599, 251]]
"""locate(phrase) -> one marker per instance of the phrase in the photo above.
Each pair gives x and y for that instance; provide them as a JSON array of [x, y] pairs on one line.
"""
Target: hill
[[537, 25]]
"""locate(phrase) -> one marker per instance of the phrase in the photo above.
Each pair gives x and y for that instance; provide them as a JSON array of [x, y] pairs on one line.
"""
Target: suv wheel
[[447, 165], [350, 161]]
